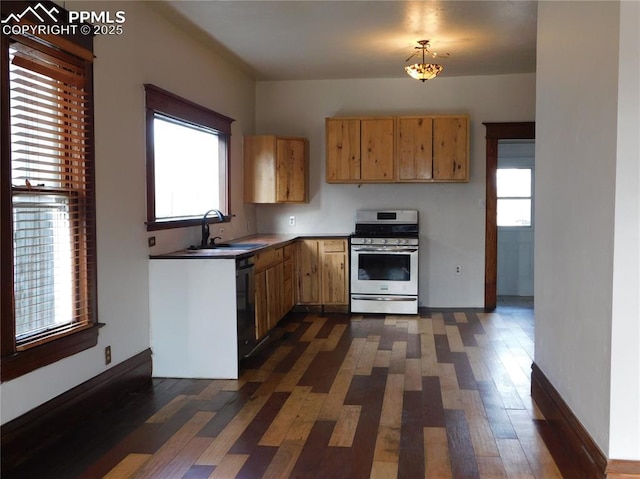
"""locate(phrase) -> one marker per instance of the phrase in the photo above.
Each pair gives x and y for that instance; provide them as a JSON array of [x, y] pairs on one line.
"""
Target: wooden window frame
[[159, 101], [17, 361]]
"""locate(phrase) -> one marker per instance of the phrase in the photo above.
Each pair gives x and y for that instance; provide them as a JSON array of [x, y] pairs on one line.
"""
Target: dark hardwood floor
[[336, 396]]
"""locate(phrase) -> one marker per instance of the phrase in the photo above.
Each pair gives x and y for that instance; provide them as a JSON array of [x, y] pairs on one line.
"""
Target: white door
[[515, 217]]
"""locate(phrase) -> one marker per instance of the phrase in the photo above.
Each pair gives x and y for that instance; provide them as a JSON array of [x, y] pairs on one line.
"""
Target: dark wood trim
[[491, 227], [23, 362], [186, 112], [52, 420], [7, 325], [151, 171], [91, 231], [587, 456], [15, 363], [628, 469], [167, 103], [495, 133]]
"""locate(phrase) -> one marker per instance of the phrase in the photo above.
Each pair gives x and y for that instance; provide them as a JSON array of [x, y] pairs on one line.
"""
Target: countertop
[[266, 241]]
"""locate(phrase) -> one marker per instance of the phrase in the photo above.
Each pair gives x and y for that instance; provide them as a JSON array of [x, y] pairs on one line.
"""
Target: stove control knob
[[367, 241], [383, 241], [404, 241]]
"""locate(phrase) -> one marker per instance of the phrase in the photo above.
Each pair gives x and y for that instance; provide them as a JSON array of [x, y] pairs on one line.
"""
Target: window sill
[[181, 223], [29, 360]]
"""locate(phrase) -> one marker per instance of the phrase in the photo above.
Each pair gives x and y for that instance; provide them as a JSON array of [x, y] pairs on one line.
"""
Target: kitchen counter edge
[[270, 241]]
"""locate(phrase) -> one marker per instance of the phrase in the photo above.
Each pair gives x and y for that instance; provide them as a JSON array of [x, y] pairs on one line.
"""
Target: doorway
[[515, 200], [495, 133]]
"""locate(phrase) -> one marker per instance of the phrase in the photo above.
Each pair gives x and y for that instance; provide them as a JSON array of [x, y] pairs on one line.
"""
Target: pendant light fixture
[[424, 71]]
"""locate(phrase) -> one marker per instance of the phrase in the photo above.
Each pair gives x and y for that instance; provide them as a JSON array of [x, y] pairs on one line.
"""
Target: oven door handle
[[382, 298], [386, 249]]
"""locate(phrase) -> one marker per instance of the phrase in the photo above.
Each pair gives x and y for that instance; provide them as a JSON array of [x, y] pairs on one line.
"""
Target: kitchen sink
[[241, 245], [228, 246]]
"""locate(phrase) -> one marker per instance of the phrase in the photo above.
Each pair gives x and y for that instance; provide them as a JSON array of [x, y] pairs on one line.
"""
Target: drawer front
[[334, 246], [268, 258], [288, 251]]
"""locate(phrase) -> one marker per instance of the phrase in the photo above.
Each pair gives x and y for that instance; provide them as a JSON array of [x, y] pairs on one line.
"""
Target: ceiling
[[298, 40]]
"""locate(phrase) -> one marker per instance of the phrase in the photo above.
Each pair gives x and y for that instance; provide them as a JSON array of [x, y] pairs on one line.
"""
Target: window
[[187, 160], [48, 206], [514, 187]]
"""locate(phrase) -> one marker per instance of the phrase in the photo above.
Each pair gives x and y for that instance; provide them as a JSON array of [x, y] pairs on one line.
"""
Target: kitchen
[[154, 49], [451, 215]]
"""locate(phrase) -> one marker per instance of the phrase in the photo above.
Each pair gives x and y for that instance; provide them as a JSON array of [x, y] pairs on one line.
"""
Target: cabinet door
[[450, 149], [343, 150], [334, 278], [274, 279], [334, 272], [288, 294], [414, 145], [262, 322], [291, 177], [288, 298], [308, 278], [377, 149], [259, 169]]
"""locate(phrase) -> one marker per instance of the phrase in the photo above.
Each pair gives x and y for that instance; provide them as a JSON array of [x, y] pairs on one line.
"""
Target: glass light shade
[[423, 71]]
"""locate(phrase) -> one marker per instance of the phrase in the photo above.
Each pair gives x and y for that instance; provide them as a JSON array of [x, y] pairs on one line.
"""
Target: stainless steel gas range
[[384, 262]]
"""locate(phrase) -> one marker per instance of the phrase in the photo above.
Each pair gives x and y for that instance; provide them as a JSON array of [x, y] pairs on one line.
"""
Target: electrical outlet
[[458, 270], [152, 241], [107, 355], [292, 220]]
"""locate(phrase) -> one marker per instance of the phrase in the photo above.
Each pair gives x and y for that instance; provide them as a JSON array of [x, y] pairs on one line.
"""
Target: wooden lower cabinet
[[275, 293], [308, 276], [334, 279], [322, 273], [273, 287], [310, 272], [288, 295]]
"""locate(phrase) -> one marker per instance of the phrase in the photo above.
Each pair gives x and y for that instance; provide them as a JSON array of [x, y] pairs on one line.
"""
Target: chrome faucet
[[205, 225]]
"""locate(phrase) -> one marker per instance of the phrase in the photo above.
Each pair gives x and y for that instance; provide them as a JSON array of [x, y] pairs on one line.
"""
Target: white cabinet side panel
[[193, 318]]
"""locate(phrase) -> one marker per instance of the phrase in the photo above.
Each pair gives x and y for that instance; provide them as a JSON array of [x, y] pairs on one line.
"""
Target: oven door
[[384, 270]]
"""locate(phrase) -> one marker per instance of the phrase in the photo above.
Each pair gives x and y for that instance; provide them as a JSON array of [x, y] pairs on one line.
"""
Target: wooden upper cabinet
[[275, 169], [359, 150], [451, 149], [414, 149], [432, 149], [377, 149], [343, 149], [428, 149], [291, 170]]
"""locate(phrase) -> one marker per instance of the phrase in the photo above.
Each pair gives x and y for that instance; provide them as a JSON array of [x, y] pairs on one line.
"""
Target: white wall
[[151, 50], [625, 341], [451, 215], [576, 116]]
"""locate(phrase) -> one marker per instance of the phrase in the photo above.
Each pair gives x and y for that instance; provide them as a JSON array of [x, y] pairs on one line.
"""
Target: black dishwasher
[[246, 307]]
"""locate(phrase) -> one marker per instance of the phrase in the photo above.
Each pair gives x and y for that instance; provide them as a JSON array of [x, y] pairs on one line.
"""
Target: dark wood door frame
[[495, 133]]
